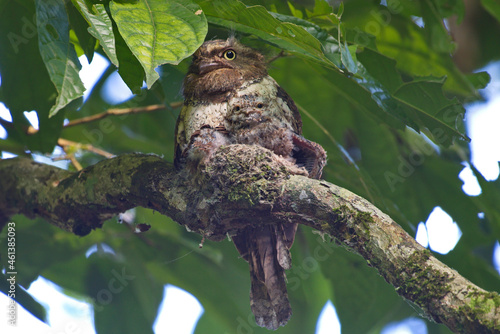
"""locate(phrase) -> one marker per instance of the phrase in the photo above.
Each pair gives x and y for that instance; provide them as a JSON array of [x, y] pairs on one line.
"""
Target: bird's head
[[222, 65], [228, 55]]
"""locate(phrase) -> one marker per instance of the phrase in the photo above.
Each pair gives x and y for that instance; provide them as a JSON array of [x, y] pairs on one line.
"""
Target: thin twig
[[88, 147], [115, 112], [75, 162], [110, 112], [279, 55], [64, 143], [70, 156]]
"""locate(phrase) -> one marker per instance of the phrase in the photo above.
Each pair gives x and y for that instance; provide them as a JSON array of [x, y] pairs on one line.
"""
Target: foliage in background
[[376, 85]]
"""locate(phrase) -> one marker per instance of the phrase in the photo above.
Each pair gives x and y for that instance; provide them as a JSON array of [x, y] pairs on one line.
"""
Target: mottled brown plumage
[[230, 99], [260, 120]]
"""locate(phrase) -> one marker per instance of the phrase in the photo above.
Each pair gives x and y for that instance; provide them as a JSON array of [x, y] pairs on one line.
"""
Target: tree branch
[[245, 185], [118, 112]]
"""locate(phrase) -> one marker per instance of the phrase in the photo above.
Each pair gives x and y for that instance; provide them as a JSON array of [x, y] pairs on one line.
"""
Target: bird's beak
[[208, 67]]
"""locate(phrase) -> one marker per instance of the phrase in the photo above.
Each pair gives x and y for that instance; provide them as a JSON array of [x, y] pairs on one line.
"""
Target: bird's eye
[[260, 105], [237, 108], [230, 54]]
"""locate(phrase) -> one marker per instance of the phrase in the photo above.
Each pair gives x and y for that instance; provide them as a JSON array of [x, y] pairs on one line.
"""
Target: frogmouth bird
[[229, 98]]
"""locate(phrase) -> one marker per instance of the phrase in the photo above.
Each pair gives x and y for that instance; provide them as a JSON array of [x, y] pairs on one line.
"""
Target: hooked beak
[[208, 67]]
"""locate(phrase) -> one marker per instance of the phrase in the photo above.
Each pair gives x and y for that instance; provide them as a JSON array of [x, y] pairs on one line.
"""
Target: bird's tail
[[266, 249]]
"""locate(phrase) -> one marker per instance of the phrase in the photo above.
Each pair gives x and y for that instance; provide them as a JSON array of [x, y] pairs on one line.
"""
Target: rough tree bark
[[240, 182]]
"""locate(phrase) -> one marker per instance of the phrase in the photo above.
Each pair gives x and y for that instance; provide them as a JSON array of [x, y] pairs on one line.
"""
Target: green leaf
[[346, 55], [229, 311], [381, 68], [26, 84], [438, 37], [434, 328], [122, 290], [340, 10], [80, 28], [295, 12], [258, 21], [171, 79], [405, 42], [358, 96], [487, 203], [36, 240], [100, 26], [159, 32], [70, 274], [130, 68], [447, 8], [420, 103], [364, 301], [322, 7], [439, 114], [493, 7], [479, 80], [58, 53], [329, 43]]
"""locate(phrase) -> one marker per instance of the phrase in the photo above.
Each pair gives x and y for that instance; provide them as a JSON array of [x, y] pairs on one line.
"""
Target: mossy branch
[[245, 185]]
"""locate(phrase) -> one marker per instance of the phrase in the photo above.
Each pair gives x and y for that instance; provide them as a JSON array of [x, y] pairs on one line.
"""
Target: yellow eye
[[230, 54]]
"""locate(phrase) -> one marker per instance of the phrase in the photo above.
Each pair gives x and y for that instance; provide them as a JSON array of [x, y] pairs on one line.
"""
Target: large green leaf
[[487, 203], [37, 238], [58, 53], [159, 32], [357, 95], [436, 34], [122, 291], [26, 84], [420, 103], [100, 26], [347, 125], [398, 37], [130, 70], [39, 247], [330, 45], [79, 26], [493, 7], [363, 300]]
